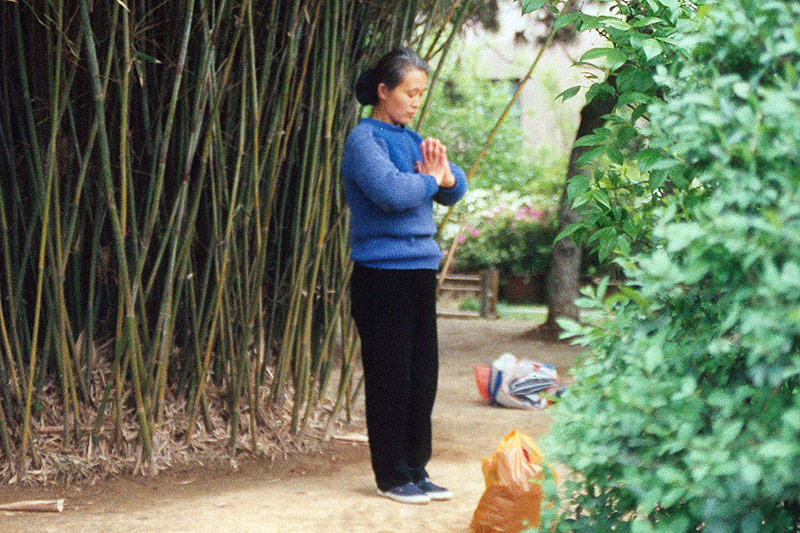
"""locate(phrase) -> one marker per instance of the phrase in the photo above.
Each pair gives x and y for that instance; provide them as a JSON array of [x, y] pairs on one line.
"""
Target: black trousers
[[395, 312]]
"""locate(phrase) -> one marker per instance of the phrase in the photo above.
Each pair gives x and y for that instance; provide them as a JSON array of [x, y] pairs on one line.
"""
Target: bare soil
[[333, 489]]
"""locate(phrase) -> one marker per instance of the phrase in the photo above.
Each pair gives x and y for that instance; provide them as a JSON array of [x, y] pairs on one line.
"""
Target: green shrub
[[507, 231], [685, 413]]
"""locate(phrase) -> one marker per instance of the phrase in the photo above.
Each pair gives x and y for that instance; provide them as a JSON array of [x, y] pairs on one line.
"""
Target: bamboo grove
[[172, 228]]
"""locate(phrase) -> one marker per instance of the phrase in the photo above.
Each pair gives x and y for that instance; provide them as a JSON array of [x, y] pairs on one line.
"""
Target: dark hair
[[389, 70]]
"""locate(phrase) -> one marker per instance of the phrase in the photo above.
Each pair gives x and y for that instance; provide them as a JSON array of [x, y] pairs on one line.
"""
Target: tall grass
[[169, 190]]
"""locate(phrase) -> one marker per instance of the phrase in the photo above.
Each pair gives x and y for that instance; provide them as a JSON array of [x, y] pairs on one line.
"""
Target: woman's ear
[[383, 91]]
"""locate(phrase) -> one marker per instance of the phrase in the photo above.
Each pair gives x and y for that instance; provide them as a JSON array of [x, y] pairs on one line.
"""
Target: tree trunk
[[563, 281]]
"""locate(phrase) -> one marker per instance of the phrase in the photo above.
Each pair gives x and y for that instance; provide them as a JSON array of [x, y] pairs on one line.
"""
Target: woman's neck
[[380, 114]]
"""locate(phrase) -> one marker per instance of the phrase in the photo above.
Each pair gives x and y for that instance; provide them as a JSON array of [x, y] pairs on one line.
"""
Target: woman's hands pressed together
[[435, 162]]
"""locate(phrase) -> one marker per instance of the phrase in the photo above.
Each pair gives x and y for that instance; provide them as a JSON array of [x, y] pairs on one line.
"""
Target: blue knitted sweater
[[391, 205]]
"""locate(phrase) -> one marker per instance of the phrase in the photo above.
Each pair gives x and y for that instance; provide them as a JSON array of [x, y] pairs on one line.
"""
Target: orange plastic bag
[[482, 375], [511, 501]]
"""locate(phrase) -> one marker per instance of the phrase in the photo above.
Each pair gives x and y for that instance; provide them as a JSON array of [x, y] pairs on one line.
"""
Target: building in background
[[505, 57]]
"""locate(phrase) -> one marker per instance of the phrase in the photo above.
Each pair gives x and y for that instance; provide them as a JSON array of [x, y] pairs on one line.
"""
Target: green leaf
[[598, 90], [648, 157], [634, 295], [731, 432], [593, 139], [566, 19], [601, 197], [751, 473], [602, 235], [670, 475], [653, 357], [647, 21], [641, 526], [532, 5], [703, 11], [616, 58], [652, 48], [635, 79], [605, 249], [616, 23], [569, 93], [792, 418], [577, 185], [615, 156], [633, 97], [606, 241], [778, 449], [682, 234], [566, 232], [591, 154], [639, 112]]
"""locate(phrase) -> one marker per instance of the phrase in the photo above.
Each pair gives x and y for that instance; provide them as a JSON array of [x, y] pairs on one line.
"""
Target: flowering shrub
[[511, 232]]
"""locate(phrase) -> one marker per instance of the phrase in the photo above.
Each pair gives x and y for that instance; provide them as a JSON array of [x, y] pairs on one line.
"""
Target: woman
[[391, 178]]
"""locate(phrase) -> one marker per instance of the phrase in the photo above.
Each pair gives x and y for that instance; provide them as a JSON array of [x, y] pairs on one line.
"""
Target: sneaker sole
[[417, 500], [440, 497]]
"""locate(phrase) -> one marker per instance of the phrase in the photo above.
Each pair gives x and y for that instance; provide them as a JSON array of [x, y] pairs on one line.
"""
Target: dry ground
[[329, 491]]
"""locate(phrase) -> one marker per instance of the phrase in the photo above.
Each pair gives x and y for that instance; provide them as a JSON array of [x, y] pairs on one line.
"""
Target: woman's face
[[399, 105]]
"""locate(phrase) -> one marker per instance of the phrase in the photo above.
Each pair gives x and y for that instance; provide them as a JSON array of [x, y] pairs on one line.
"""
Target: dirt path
[[329, 491]]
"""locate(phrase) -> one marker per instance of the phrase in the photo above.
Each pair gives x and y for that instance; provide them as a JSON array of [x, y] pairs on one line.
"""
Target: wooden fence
[[483, 286]]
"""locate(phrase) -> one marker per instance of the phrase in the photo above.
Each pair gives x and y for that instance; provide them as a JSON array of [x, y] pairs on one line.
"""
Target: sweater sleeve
[[368, 165], [454, 193]]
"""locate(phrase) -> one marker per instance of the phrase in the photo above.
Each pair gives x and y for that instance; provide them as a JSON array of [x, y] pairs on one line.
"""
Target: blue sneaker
[[434, 492], [408, 493]]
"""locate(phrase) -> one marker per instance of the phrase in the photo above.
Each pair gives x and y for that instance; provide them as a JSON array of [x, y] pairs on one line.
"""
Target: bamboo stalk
[[224, 266], [189, 216], [49, 179], [129, 328], [40, 506], [457, 24]]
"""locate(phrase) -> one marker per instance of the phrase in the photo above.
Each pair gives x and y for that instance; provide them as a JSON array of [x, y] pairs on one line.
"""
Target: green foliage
[[685, 412], [466, 107], [172, 227], [507, 231], [630, 176], [529, 6]]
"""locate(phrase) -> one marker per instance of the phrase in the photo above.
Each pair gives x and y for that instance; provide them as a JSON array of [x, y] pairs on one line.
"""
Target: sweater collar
[[382, 124]]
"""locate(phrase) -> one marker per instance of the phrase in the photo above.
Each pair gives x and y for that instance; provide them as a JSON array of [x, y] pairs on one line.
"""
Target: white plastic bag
[[522, 384]]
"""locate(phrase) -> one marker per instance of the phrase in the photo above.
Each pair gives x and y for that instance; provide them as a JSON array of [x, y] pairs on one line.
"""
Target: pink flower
[[529, 212]]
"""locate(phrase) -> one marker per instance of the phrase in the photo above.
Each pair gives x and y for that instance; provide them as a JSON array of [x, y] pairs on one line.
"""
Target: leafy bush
[[629, 177], [507, 231], [685, 413]]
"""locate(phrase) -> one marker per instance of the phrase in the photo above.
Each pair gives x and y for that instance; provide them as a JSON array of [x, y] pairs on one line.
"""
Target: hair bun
[[367, 88]]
